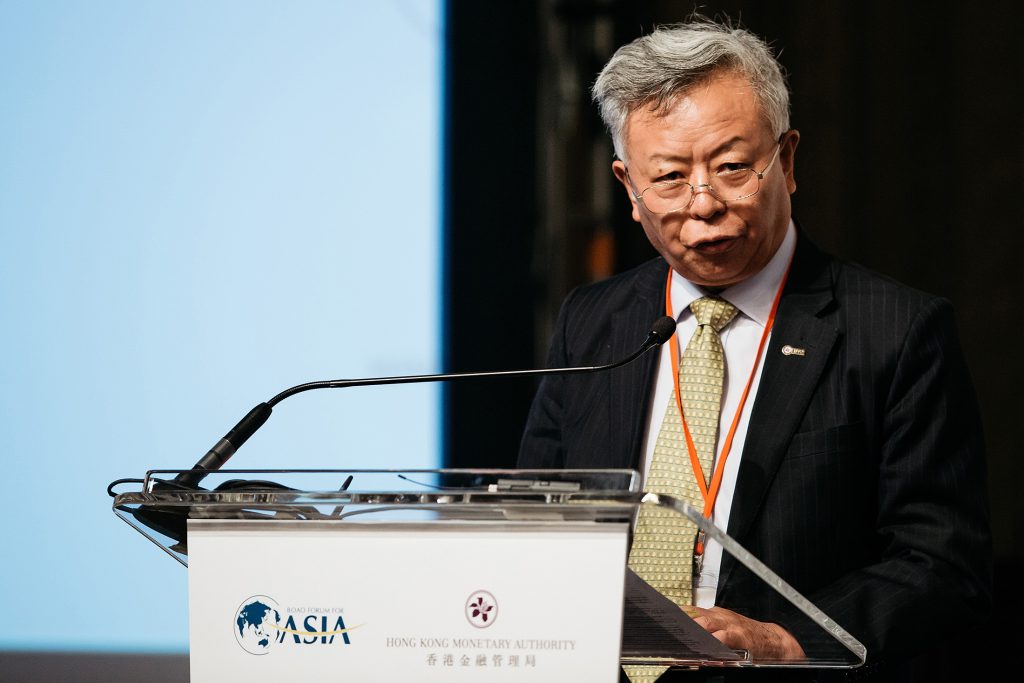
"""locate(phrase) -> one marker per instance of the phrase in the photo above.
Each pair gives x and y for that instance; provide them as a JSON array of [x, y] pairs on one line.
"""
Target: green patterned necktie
[[663, 543]]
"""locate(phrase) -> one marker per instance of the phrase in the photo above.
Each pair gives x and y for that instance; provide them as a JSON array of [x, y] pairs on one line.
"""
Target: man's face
[[711, 128]]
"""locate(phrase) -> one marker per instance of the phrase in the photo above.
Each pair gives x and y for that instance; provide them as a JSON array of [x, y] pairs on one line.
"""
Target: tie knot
[[713, 311]]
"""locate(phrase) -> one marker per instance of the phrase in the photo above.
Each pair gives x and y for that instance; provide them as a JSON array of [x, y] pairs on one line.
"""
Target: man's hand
[[764, 640]]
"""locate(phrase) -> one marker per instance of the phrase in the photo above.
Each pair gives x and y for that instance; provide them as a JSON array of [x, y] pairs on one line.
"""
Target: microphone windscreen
[[663, 329]]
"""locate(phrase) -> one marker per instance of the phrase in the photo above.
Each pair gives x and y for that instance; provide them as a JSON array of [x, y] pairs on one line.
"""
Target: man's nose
[[704, 204]]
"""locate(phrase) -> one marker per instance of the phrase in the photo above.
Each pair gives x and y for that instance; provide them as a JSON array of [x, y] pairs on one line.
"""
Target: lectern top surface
[[163, 504]]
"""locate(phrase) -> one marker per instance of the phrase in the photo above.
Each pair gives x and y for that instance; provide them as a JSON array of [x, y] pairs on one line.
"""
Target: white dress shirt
[[753, 299]]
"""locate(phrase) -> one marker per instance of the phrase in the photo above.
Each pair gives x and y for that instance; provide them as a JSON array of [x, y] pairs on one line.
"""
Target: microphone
[[661, 331]]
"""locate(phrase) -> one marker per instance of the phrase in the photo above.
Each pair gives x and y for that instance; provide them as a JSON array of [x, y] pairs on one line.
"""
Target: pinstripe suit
[[862, 481]]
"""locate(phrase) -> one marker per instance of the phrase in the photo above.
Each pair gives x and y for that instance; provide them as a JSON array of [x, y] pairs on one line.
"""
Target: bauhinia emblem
[[481, 609]]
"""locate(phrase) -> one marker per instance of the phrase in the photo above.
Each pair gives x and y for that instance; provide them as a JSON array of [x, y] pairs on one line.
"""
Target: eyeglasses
[[728, 185]]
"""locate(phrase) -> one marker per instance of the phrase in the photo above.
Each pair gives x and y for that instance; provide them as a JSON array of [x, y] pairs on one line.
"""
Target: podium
[[432, 575]]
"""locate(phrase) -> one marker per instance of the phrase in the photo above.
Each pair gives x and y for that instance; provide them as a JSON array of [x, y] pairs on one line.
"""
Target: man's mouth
[[715, 246]]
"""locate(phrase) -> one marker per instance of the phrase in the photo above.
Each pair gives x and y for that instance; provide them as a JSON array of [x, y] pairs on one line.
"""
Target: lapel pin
[[788, 350]]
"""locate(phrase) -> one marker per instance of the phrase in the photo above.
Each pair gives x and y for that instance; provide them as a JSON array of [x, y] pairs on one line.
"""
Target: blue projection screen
[[202, 204]]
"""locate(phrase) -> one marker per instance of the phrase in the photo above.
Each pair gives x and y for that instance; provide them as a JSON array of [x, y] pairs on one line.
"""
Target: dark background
[[911, 162]]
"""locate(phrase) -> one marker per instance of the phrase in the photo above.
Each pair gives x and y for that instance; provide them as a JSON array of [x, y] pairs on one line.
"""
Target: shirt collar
[[753, 297]]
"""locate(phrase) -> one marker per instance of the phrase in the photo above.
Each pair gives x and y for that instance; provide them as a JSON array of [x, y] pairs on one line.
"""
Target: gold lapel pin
[[788, 350]]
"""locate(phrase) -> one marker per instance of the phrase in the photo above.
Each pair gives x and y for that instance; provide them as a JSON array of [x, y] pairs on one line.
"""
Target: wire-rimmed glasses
[[729, 185]]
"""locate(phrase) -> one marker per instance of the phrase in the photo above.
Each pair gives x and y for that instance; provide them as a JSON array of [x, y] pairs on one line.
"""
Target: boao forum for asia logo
[[260, 623]]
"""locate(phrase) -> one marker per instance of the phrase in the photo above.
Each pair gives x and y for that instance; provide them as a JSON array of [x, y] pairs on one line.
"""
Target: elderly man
[[820, 413]]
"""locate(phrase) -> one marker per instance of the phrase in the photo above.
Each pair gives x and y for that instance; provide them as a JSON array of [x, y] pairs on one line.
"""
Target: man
[[844, 439]]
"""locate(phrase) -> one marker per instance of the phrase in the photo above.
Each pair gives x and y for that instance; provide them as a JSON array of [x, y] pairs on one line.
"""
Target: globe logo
[[256, 622]]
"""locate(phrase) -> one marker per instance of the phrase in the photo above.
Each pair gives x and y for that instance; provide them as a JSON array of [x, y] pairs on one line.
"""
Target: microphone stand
[[171, 521], [660, 332]]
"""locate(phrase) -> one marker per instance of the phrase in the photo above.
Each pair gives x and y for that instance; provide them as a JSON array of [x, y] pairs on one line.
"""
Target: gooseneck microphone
[[660, 332]]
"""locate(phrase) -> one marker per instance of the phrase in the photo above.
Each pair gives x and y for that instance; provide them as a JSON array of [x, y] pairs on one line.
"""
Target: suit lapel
[[630, 386], [787, 383]]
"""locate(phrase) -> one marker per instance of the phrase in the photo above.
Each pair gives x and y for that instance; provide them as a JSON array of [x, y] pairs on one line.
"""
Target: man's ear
[[787, 157], [619, 169]]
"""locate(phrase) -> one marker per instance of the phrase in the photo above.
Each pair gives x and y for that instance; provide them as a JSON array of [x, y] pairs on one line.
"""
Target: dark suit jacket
[[863, 477]]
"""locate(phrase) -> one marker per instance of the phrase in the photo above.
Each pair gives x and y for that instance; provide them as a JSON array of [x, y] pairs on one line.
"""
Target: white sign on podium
[[405, 601]]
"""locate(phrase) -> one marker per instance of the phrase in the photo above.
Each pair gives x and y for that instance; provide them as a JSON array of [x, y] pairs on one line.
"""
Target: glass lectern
[[433, 574]]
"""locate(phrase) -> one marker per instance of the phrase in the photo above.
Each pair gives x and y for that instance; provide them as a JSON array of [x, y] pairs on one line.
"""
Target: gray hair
[[656, 68]]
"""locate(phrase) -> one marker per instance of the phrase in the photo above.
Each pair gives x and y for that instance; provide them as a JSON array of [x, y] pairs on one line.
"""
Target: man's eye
[[733, 167], [669, 177]]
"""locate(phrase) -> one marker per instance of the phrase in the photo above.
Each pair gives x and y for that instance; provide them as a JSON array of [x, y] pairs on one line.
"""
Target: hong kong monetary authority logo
[[261, 623], [481, 609]]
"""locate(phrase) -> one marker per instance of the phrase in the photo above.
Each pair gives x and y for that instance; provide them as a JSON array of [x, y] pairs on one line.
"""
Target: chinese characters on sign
[[495, 660], [495, 653]]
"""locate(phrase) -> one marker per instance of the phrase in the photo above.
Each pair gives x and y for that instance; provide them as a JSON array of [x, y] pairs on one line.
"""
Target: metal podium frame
[[161, 508]]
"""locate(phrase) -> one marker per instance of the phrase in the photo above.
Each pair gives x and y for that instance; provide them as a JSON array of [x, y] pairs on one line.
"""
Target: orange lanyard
[[698, 472]]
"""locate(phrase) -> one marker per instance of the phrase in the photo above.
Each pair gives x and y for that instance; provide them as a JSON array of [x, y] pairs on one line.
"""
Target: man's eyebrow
[[721, 147], [668, 157]]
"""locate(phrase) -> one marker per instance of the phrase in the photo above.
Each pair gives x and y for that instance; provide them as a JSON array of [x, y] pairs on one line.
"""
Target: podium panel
[[416, 601]]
